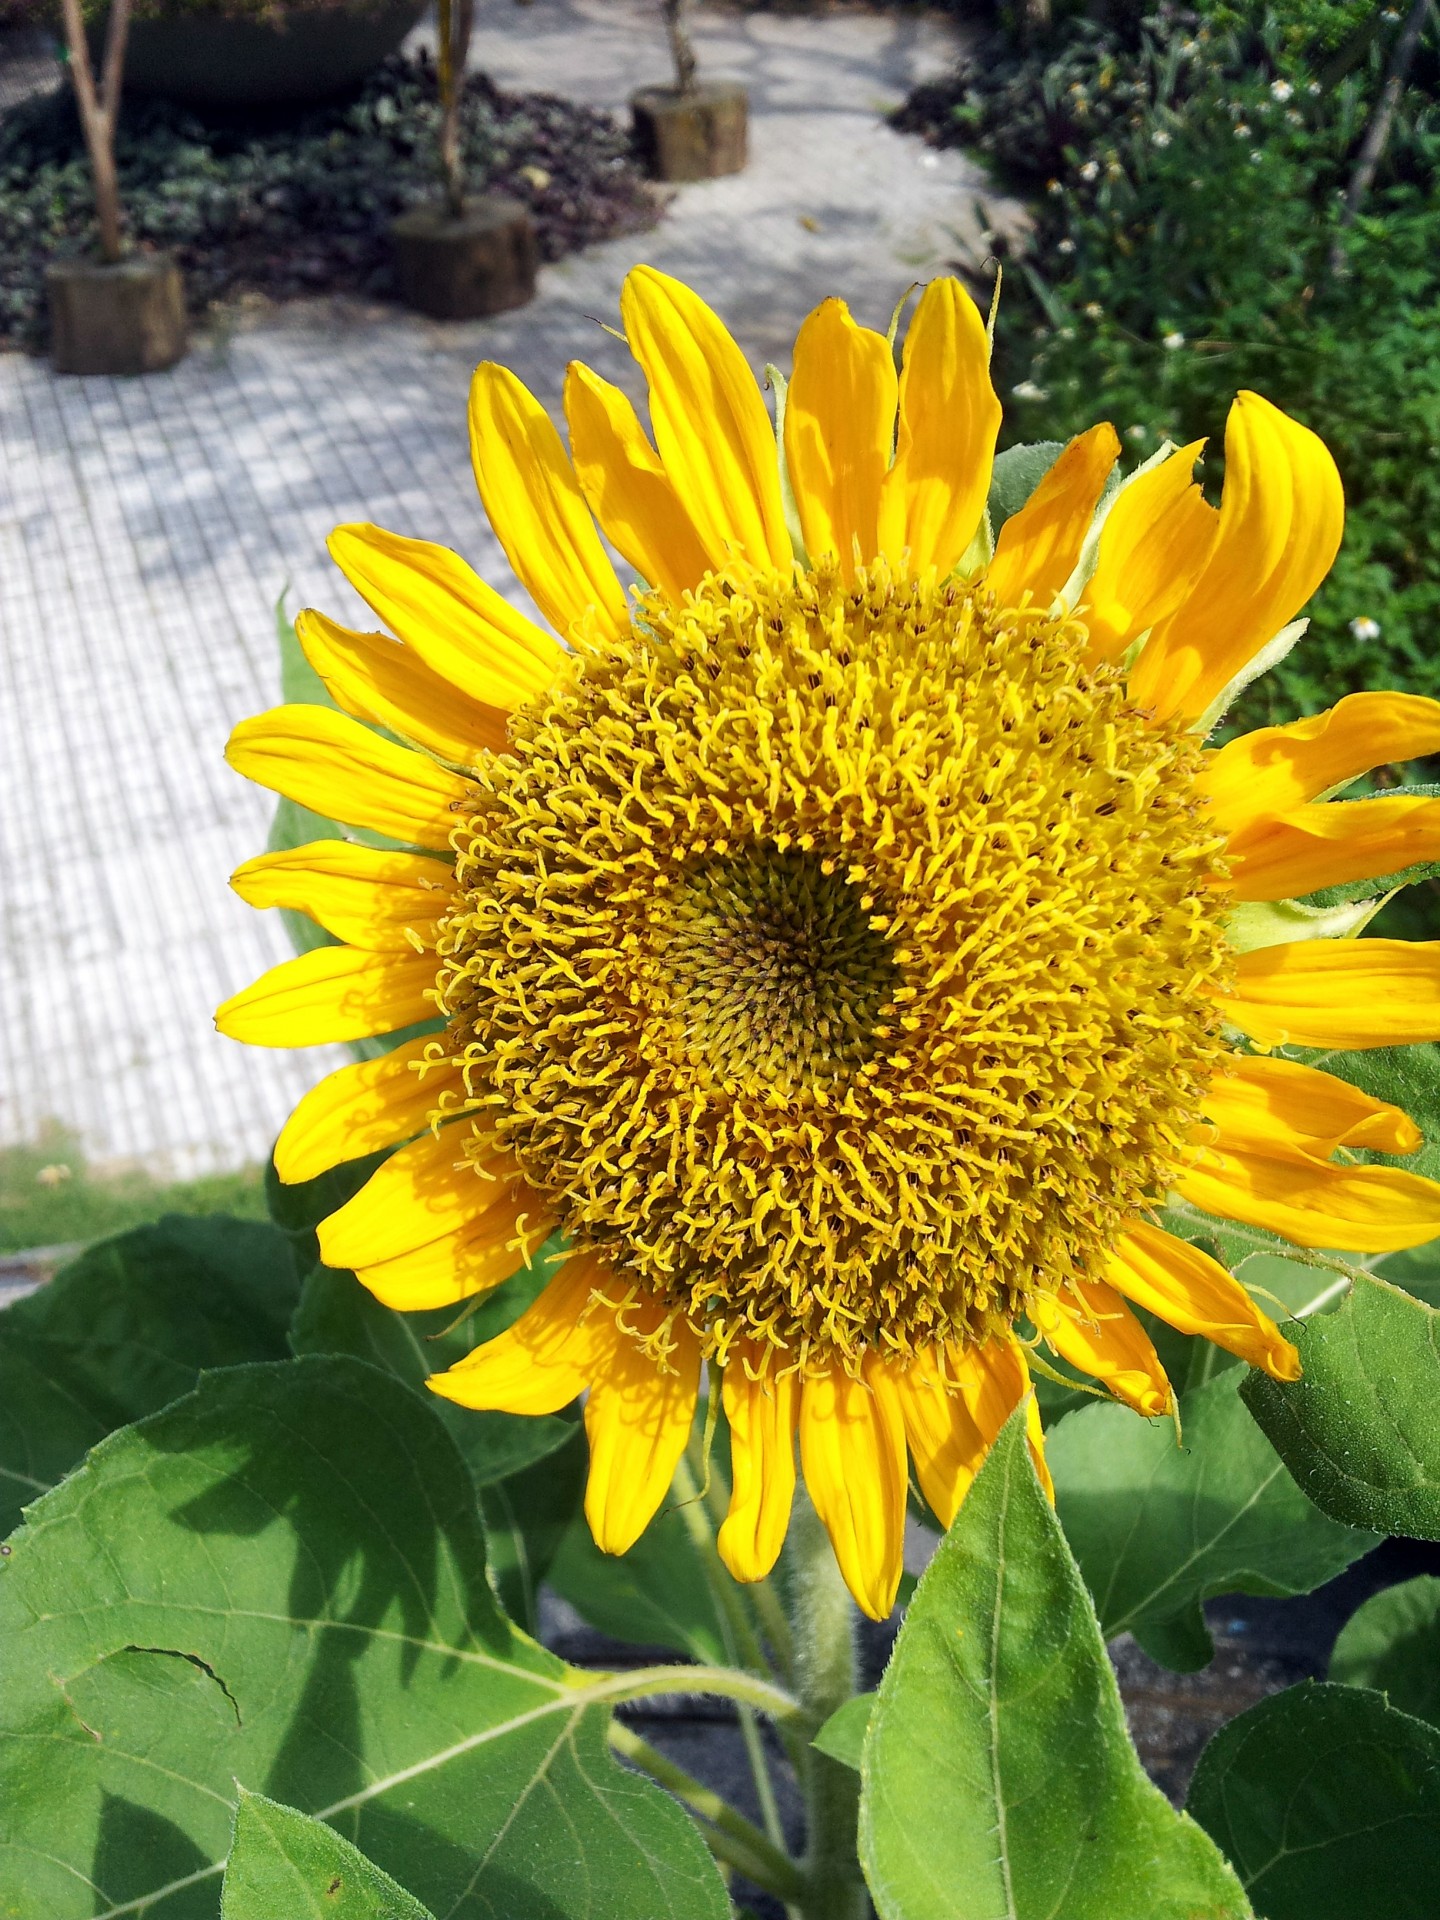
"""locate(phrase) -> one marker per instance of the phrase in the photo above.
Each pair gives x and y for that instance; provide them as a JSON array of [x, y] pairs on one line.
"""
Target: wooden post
[[680, 45], [457, 19], [99, 111]]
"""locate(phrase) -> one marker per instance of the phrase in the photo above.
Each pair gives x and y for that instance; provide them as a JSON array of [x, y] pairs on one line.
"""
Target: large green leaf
[[338, 1315], [279, 1584], [1327, 1802], [997, 1775], [1360, 1429], [126, 1328], [656, 1595], [1392, 1644], [1159, 1522], [285, 1866]]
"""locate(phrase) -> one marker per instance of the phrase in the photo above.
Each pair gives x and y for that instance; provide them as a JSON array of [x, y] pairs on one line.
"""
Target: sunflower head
[[832, 938]]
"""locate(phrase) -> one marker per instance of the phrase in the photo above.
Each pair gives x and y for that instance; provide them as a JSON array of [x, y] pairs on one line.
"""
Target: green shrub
[[46, 13], [1188, 184]]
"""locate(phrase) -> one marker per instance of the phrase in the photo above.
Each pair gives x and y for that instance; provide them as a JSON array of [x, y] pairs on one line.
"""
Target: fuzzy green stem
[[740, 1641], [825, 1674], [728, 1834]]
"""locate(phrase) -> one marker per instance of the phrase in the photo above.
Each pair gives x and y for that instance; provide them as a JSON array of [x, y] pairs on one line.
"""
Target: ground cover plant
[[300, 204], [1188, 170]]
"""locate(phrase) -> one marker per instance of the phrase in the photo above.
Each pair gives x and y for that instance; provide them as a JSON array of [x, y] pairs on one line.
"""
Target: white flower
[[1053, 186], [1281, 90], [1242, 132], [1363, 627], [1172, 340], [53, 1176], [1065, 246], [1135, 432], [1027, 390], [1094, 309], [1295, 119], [1090, 170], [1159, 138], [1388, 13], [1256, 156], [1314, 87]]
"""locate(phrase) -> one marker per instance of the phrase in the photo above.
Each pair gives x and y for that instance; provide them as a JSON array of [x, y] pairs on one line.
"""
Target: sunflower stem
[[728, 1834], [741, 1643], [825, 1676]]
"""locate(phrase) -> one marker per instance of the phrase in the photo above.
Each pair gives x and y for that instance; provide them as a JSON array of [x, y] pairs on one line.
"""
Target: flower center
[[778, 978], [838, 962]]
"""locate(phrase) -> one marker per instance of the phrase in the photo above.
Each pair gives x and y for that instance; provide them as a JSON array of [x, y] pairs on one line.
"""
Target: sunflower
[[842, 939]]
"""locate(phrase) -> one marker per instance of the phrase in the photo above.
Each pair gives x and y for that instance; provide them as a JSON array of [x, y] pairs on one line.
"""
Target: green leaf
[[279, 1584], [843, 1734], [337, 1314], [285, 1866], [526, 1518], [1158, 1527], [997, 1776], [1327, 1802], [1359, 1430], [1392, 1644], [126, 1328], [1016, 474], [656, 1595]]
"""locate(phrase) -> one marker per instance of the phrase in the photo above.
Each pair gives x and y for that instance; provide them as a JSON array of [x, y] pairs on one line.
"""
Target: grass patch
[[49, 1196]]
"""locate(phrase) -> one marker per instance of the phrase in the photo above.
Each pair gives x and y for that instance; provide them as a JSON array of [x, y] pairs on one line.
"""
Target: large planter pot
[[290, 58], [124, 318]]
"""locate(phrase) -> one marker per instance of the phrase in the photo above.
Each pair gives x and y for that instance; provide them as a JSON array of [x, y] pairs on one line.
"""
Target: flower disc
[[838, 961]]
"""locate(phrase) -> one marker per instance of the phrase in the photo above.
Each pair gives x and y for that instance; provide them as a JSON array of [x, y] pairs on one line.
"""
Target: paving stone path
[[147, 529]]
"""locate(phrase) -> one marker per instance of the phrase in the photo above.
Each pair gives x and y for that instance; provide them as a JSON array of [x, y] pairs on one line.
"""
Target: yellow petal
[[377, 679], [629, 491], [1282, 511], [1276, 769], [998, 1383], [365, 897], [839, 433], [536, 508], [427, 1230], [1092, 1328], [762, 1414], [1324, 846], [1154, 544], [1361, 1209], [712, 427], [933, 497], [331, 993], [637, 1420], [1195, 1294], [444, 612], [561, 1342], [946, 1444], [1294, 1112], [852, 1450], [1038, 547], [336, 767], [362, 1108], [1338, 993]]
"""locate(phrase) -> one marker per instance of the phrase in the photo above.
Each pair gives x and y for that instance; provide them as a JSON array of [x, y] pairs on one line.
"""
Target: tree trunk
[[99, 112], [680, 47], [457, 19], [1377, 134]]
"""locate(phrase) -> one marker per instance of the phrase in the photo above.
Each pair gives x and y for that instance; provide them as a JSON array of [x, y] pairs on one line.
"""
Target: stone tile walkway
[[147, 529]]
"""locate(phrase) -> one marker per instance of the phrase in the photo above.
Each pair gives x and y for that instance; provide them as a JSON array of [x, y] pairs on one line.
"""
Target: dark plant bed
[[301, 204]]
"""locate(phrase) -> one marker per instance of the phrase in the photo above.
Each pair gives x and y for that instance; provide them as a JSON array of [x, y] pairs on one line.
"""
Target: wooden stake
[[457, 19]]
